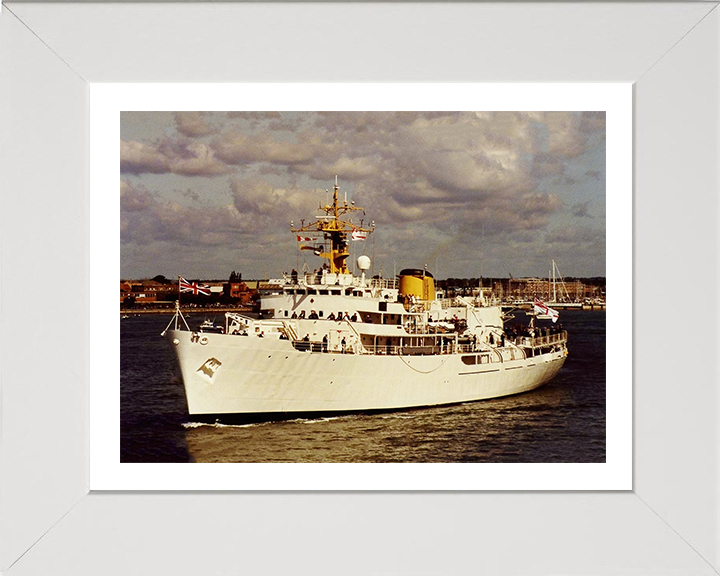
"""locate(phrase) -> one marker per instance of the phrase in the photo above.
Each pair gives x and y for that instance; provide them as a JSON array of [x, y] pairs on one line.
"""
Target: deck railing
[[318, 279], [541, 341], [515, 350], [383, 283]]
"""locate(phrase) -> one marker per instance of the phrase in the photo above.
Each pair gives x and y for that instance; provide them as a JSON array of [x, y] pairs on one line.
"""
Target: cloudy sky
[[465, 193]]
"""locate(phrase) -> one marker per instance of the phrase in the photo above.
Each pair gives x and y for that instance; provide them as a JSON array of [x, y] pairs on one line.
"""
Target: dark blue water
[[564, 421]]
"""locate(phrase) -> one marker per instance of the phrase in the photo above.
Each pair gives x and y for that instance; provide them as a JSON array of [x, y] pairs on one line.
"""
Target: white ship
[[332, 342]]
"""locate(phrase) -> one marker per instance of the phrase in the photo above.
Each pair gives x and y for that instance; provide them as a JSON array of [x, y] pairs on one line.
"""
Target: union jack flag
[[304, 239], [194, 287]]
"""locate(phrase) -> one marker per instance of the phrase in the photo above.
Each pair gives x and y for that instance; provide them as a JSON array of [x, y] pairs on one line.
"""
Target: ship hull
[[230, 377]]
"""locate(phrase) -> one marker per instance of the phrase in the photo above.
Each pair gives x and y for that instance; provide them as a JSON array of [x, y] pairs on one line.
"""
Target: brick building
[[147, 291], [239, 290]]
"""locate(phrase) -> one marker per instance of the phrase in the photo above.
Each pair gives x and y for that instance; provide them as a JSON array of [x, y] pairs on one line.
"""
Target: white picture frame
[[668, 523]]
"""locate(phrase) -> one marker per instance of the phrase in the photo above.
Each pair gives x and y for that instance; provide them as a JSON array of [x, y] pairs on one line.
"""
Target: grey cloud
[[193, 124], [575, 235], [192, 158], [581, 210], [238, 148], [138, 158], [593, 121], [171, 156], [362, 122], [428, 179], [566, 134], [351, 169], [134, 199], [546, 164], [424, 168], [254, 115], [192, 194], [146, 219], [262, 201]]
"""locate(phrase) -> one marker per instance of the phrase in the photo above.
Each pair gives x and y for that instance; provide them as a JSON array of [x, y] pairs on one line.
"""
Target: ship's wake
[[192, 425]]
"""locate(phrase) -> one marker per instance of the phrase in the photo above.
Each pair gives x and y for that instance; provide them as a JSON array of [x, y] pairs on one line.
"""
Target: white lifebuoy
[[204, 340]]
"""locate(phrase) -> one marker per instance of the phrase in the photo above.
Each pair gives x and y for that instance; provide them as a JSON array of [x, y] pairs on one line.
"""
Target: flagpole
[[177, 312]]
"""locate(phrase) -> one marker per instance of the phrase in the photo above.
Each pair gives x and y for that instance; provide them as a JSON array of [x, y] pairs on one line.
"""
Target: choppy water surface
[[564, 421]]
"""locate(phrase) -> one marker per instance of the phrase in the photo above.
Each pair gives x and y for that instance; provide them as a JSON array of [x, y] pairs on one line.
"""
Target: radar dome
[[363, 263]]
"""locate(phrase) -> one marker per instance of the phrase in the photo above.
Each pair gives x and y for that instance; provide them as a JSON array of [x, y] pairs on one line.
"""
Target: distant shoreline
[[186, 311]]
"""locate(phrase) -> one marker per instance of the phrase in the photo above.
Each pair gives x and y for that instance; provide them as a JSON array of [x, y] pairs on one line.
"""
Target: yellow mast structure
[[334, 229]]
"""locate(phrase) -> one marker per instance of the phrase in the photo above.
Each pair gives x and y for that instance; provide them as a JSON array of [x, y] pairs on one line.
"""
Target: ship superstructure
[[330, 341]]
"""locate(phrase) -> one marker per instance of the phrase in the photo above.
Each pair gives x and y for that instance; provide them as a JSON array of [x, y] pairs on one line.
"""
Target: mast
[[331, 227], [177, 317], [562, 282], [177, 309]]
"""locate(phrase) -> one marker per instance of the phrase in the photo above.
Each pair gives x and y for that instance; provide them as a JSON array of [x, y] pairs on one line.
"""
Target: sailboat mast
[[547, 299]]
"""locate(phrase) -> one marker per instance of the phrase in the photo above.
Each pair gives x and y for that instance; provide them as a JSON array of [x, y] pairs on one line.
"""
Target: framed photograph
[[429, 194], [67, 496]]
